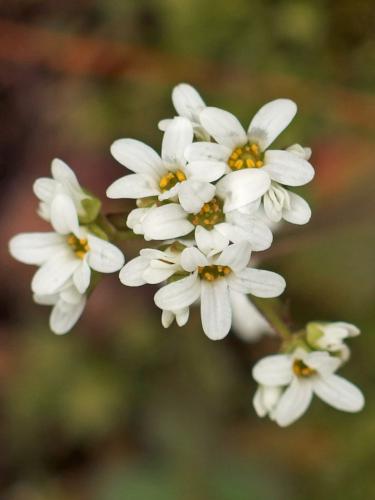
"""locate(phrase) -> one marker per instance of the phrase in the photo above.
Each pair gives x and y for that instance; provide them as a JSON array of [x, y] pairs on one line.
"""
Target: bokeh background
[[120, 408]]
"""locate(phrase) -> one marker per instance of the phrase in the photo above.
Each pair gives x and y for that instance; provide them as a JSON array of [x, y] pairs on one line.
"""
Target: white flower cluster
[[67, 256], [209, 200], [217, 196], [288, 381]]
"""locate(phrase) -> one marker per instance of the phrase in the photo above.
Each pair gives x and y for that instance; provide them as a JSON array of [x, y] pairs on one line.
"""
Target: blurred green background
[[120, 408]]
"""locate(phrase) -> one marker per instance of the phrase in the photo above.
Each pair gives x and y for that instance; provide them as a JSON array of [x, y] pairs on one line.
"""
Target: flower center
[[170, 179], [210, 214], [249, 156], [79, 246], [212, 273], [302, 370]]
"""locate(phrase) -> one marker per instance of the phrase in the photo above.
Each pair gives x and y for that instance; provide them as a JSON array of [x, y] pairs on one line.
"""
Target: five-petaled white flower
[[188, 103], [68, 305], [250, 166], [304, 373], [211, 279], [64, 257], [166, 177]]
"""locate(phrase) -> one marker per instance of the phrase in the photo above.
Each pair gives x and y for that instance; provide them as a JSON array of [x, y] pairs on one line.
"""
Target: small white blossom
[[280, 203], [68, 305], [188, 103], [303, 374], [62, 199], [62, 258], [331, 336], [249, 164], [168, 177], [211, 279]]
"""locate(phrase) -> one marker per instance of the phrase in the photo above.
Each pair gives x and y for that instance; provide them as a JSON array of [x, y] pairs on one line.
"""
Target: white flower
[[211, 279], [68, 305], [166, 177], [213, 228], [65, 257], [188, 103], [250, 165], [306, 373], [62, 200], [331, 336], [152, 266], [280, 203], [247, 322]]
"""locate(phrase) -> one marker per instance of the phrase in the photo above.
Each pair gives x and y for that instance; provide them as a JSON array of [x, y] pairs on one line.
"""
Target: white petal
[[322, 362], [216, 311], [132, 273], [165, 222], [159, 271], [287, 168], [224, 127], [274, 370], [192, 258], [193, 194], [133, 186], [187, 101], [138, 157], [235, 256], [272, 210], [36, 248], [207, 171], [64, 315], [54, 273], [242, 187], [81, 276], [265, 399], [339, 393], [247, 322], [44, 188], [61, 172], [181, 293], [299, 211], [162, 125], [210, 242], [64, 217], [46, 300], [270, 121], [257, 282], [294, 402], [167, 318], [254, 231], [135, 219], [70, 294], [207, 151], [178, 135], [300, 151], [182, 316], [103, 256]]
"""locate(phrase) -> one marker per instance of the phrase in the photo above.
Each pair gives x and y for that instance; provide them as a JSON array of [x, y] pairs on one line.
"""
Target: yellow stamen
[[247, 156]]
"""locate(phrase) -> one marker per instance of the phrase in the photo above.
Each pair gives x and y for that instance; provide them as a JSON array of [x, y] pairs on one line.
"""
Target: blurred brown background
[[119, 408]]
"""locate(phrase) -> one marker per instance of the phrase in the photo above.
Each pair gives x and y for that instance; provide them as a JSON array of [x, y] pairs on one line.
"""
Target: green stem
[[271, 312]]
